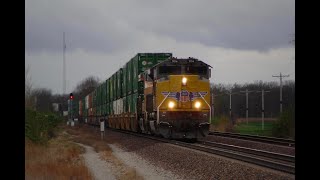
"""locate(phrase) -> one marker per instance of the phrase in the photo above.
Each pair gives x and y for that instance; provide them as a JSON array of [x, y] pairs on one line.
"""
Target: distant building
[[65, 113], [55, 107]]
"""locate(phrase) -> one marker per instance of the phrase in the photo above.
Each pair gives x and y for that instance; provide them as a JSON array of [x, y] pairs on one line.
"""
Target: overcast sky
[[243, 40]]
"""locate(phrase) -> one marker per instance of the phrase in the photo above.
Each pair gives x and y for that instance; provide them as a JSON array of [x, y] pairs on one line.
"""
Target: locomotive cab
[[177, 98]]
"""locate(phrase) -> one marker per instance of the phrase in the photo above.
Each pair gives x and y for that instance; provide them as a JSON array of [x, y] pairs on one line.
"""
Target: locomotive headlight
[[171, 104], [184, 80], [197, 104]]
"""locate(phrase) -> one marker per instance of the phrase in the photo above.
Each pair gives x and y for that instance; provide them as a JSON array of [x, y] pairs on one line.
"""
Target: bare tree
[[86, 86], [29, 100]]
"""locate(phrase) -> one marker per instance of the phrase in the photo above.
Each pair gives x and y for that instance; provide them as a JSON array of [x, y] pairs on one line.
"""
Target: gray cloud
[[244, 40], [109, 26]]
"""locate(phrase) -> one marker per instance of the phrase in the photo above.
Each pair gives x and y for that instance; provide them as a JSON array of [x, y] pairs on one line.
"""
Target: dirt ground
[[122, 164]]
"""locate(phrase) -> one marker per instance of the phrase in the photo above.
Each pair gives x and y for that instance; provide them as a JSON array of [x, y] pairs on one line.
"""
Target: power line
[[262, 107], [247, 108], [281, 76], [230, 102], [230, 95]]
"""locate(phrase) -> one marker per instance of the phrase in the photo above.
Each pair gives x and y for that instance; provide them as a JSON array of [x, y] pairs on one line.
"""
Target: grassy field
[[59, 159], [254, 128]]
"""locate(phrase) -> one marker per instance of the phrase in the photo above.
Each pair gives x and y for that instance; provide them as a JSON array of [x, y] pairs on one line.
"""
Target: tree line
[[221, 98], [41, 99]]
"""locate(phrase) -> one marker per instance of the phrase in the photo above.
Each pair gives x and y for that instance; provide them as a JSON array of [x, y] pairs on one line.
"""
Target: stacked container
[[80, 108], [119, 82], [118, 94]]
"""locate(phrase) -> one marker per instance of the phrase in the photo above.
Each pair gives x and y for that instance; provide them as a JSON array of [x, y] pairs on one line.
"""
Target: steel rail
[[264, 139], [285, 164]]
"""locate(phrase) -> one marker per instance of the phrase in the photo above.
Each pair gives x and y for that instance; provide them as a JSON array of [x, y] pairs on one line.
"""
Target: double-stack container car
[[153, 93]]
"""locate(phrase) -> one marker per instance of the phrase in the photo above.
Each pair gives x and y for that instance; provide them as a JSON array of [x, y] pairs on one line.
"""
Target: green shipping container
[[100, 111], [111, 108], [111, 89], [132, 102], [103, 110], [114, 85], [108, 109], [129, 77], [125, 104], [75, 108], [100, 94], [85, 113], [119, 80], [129, 103], [108, 90], [97, 111], [104, 93], [124, 81], [142, 62]]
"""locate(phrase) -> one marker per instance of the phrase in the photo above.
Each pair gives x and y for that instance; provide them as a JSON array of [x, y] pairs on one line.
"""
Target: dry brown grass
[[60, 159], [88, 136], [91, 137]]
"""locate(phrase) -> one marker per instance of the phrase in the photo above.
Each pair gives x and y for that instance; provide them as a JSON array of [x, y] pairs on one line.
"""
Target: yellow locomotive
[[176, 99], [153, 93]]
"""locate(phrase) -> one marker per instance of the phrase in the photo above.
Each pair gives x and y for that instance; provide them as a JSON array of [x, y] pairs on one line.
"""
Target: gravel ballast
[[144, 168], [191, 164], [157, 160]]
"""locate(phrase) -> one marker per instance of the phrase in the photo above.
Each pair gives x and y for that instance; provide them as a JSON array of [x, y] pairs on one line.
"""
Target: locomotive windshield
[[169, 70], [182, 69], [199, 70], [182, 66]]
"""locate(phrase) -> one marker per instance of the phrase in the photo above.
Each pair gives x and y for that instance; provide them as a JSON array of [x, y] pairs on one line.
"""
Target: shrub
[[39, 127], [222, 124], [284, 127]]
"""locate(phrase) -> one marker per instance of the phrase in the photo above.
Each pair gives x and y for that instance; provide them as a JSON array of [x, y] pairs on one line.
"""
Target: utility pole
[[212, 100], [230, 103], [230, 95], [262, 107], [247, 103], [64, 65], [281, 76]]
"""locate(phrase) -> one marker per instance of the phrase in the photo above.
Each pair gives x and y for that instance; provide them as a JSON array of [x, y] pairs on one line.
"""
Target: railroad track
[[265, 139], [268, 159], [280, 162]]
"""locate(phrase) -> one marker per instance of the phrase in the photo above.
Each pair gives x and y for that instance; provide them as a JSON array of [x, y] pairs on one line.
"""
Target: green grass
[[39, 126], [221, 124], [254, 128]]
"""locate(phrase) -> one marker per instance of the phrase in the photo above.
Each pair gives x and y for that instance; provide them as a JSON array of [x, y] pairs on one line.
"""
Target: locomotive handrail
[[208, 105], [158, 108]]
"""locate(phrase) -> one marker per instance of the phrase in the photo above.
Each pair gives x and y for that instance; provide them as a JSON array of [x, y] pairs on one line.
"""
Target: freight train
[[153, 93]]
